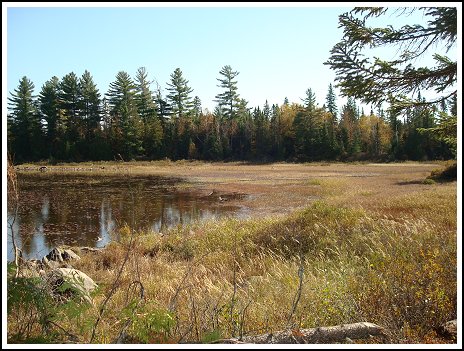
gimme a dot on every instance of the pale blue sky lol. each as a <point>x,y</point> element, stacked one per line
<point>279,51</point>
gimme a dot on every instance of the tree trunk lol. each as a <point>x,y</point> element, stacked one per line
<point>321,335</point>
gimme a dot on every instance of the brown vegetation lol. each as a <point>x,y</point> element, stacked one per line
<point>359,242</point>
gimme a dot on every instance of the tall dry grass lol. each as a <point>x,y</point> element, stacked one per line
<point>394,265</point>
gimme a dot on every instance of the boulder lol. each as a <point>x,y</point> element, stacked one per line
<point>69,282</point>
<point>449,329</point>
<point>59,256</point>
<point>31,269</point>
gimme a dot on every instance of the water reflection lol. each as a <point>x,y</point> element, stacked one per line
<point>87,211</point>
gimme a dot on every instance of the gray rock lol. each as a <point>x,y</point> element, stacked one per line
<point>60,254</point>
<point>449,329</point>
<point>50,264</point>
<point>58,257</point>
<point>69,282</point>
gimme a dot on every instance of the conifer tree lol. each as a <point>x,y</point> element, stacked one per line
<point>69,96</point>
<point>179,95</point>
<point>90,114</point>
<point>152,133</point>
<point>395,81</point>
<point>229,99</point>
<point>126,125</point>
<point>24,126</point>
<point>49,106</point>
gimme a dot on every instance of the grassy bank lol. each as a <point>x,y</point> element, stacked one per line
<point>341,259</point>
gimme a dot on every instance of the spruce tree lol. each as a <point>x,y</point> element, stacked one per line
<point>331,101</point>
<point>196,108</point>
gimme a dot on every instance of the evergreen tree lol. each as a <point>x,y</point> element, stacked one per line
<point>275,131</point>
<point>333,122</point>
<point>397,80</point>
<point>310,100</point>
<point>152,133</point>
<point>349,125</point>
<point>243,135</point>
<point>24,126</point>
<point>90,113</point>
<point>163,107</point>
<point>49,106</point>
<point>179,95</point>
<point>331,102</point>
<point>454,106</point>
<point>228,100</point>
<point>69,96</point>
<point>196,108</point>
<point>126,125</point>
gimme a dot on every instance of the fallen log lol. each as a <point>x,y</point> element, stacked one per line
<point>320,335</point>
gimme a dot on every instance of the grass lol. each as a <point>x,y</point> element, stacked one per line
<point>364,257</point>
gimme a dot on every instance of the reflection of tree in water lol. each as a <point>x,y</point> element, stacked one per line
<point>86,211</point>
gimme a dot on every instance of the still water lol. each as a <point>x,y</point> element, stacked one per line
<point>83,210</point>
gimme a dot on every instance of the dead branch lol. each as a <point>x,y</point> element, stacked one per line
<point>321,335</point>
<point>13,197</point>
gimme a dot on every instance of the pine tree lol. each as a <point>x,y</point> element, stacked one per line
<point>126,124</point>
<point>90,113</point>
<point>179,95</point>
<point>152,134</point>
<point>49,106</point>
<point>163,107</point>
<point>398,80</point>
<point>24,125</point>
<point>69,102</point>
<point>228,100</point>
<point>309,100</point>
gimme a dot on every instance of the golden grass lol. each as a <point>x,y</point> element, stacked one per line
<point>365,256</point>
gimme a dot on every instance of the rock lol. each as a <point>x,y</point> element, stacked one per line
<point>59,255</point>
<point>77,283</point>
<point>31,269</point>
<point>50,264</point>
<point>449,329</point>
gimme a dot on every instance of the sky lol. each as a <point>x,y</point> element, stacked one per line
<point>277,48</point>
<point>278,52</point>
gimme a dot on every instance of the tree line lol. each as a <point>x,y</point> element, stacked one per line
<point>70,120</point>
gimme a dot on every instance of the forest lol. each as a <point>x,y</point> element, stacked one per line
<point>70,120</point>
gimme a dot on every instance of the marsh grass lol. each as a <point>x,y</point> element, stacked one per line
<point>393,264</point>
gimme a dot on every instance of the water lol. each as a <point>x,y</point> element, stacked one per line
<point>83,210</point>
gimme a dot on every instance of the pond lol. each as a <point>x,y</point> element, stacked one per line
<point>84,210</point>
